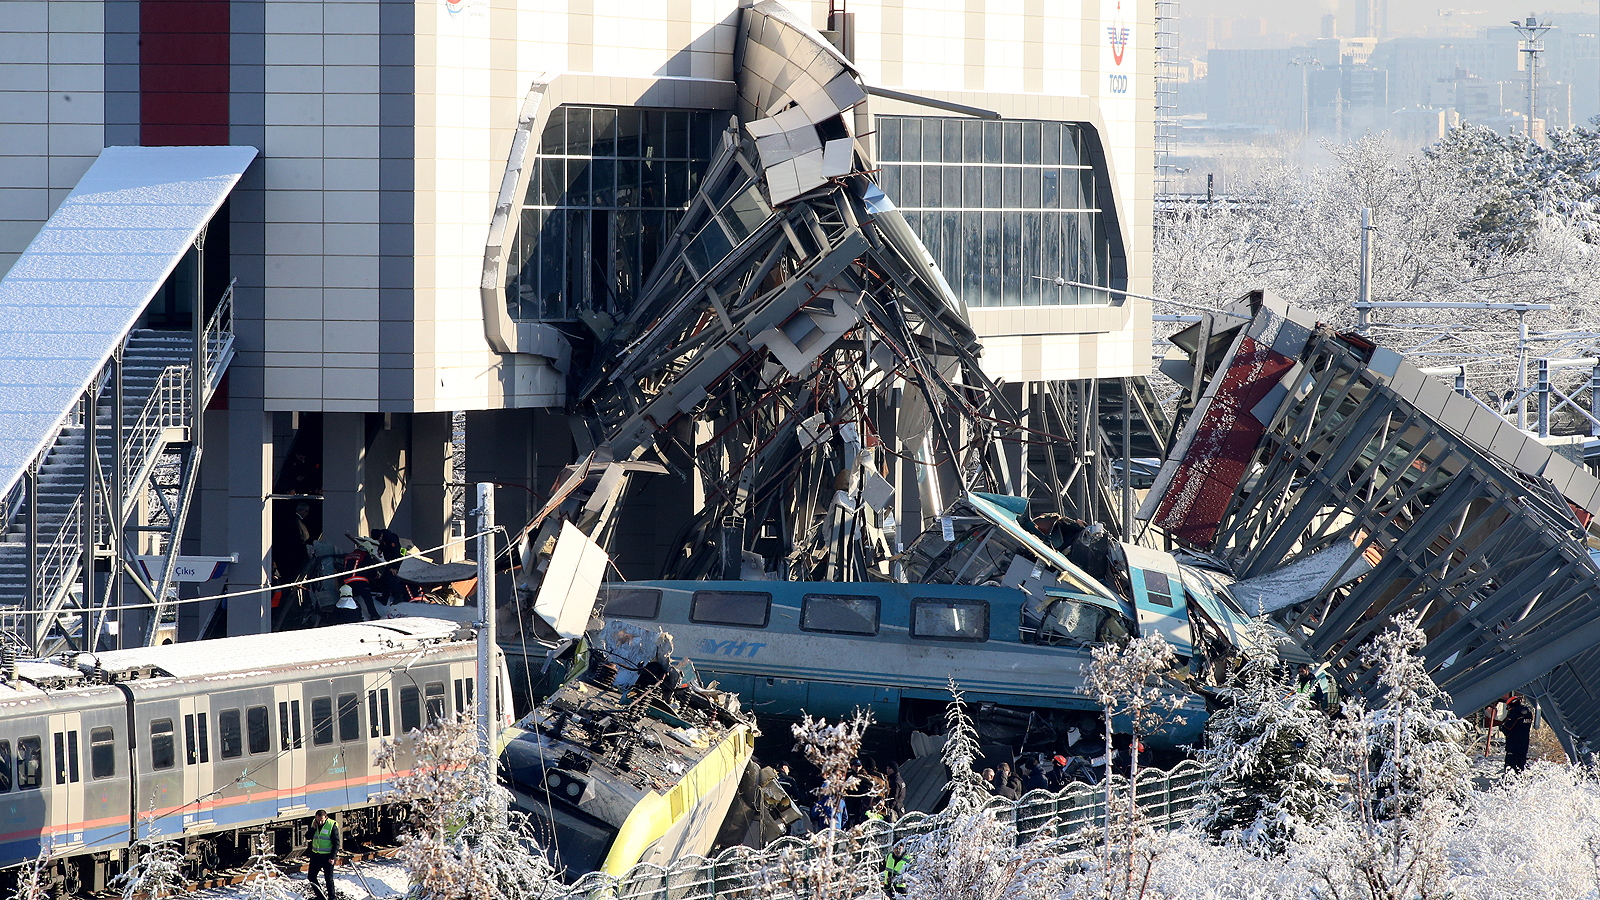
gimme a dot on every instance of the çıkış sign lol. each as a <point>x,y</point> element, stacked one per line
<point>187,569</point>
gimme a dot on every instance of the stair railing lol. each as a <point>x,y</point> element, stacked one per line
<point>219,338</point>
<point>59,560</point>
<point>167,407</point>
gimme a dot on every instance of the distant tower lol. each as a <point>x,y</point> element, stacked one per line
<point>1532,32</point>
<point>1330,27</point>
<point>1362,18</point>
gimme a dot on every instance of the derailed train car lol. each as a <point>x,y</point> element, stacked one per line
<point>993,605</point>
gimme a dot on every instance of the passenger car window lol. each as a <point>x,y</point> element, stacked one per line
<point>162,752</point>
<point>30,768</point>
<point>260,729</point>
<point>195,739</point>
<point>230,740</point>
<point>839,614</point>
<point>410,709</point>
<point>5,766</point>
<point>321,721</point>
<point>1158,587</point>
<point>632,603</point>
<point>731,608</point>
<point>435,699</point>
<point>464,695</point>
<point>67,757</point>
<point>950,620</point>
<point>349,718</point>
<point>289,724</point>
<point>378,710</point>
<point>102,753</point>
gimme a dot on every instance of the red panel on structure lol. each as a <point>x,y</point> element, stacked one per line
<point>183,72</point>
<point>1224,441</point>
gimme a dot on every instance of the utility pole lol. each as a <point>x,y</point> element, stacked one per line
<point>1364,294</point>
<point>1532,32</point>
<point>1305,62</point>
<point>487,682</point>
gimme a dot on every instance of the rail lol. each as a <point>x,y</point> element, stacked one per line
<point>1078,811</point>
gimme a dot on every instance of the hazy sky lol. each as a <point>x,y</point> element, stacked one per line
<point>1406,17</point>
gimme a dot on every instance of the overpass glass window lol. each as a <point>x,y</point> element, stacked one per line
<point>349,718</point>
<point>258,726</point>
<point>230,736</point>
<point>631,603</point>
<point>950,620</point>
<point>605,191</point>
<point>5,766</point>
<point>839,614</point>
<point>102,753</point>
<point>731,608</point>
<point>30,763</point>
<point>163,749</point>
<point>321,721</point>
<point>1004,208</point>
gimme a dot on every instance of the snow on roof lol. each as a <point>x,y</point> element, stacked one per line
<point>258,652</point>
<point>88,275</point>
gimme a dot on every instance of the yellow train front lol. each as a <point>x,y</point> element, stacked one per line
<point>202,742</point>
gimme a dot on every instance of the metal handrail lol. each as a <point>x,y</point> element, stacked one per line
<point>60,558</point>
<point>1078,812</point>
<point>219,335</point>
<point>167,407</point>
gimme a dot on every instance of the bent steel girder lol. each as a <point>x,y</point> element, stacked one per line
<point>1307,440</point>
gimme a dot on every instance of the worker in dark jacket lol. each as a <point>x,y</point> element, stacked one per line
<point>1517,725</point>
<point>325,845</point>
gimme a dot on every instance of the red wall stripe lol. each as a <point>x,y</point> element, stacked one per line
<point>183,72</point>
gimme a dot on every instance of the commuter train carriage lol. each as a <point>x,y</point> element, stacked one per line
<point>203,741</point>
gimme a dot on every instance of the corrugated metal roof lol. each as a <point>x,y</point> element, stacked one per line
<point>253,652</point>
<point>88,275</point>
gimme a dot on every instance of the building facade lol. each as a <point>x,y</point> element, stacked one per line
<point>454,196</point>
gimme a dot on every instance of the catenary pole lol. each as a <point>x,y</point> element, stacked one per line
<point>486,639</point>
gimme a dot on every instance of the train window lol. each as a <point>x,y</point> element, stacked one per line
<point>289,724</point>
<point>196,741</point>
<point>67,758</point>
<point>321,721</point>
<point>230,737</point>
<point>259,728</point>
<point>378,710</point>
<point>162,752</point>
<point>410,709</point>
<point>839,614</point>
<point>349,718</point>
<point>5,766</point>
<point>1158,588</point>
<point>950,620</point>
<point>731,608</point>
<point>464,695</point>
<point>102,753</point>
<point>434,691</point>
<point>631,603</point>
<point>30,770</point>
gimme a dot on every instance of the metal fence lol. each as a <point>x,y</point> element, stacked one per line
<point>1078,812</point>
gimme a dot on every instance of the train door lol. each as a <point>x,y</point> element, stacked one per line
<point>195,752</point>
<point>66,776</point>
<point>290,714</point>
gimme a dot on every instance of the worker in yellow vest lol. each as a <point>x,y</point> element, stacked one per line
<point>325,845</point>
<point>894,869</point>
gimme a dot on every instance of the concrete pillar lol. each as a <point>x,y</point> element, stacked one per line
<point>247,466</point>
<point>387,474</point>
<point>428,497</point>
<point>344,476</point>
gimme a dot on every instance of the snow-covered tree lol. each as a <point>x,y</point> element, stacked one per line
<point>32,882</point>
<point>266,880</point>
<point>157,870</point>
<point>464,841</point>
<point>972,851</point>
<point>1127,680</point>
<point>1266,745</point>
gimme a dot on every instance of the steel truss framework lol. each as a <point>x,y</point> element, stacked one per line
<point>1416,517</point>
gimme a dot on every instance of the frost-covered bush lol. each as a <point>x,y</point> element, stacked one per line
<point>157,871</point>
<point>1267,746</point>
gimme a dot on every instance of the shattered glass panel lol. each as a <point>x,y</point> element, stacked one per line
<point>635,169</point>
<point>950,620</point>
<point>839,614</point>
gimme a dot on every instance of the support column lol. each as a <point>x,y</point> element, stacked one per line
<point>429,495</point>
<point>344,476</point>
<point>248,464</point>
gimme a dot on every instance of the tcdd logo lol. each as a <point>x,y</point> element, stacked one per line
<point>1117,34</point>
<point>454,7</point>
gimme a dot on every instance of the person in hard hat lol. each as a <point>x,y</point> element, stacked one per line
<point>894,869</point>
<point>325,843</point>
<point>359,577</point>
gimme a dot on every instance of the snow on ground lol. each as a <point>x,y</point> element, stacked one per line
<point>374,879</point>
